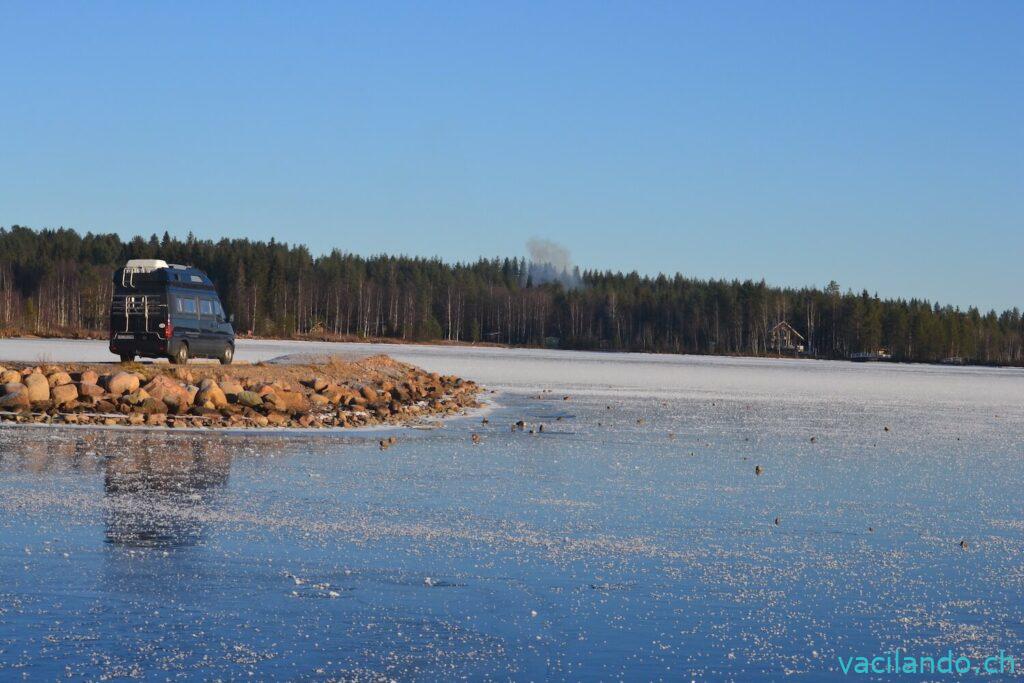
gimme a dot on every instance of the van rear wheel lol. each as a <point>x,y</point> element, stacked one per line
<point>227,355</point>
<point>127,357</point>
<point>181,356</point>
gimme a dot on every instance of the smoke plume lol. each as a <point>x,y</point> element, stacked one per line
<point>550,262</point>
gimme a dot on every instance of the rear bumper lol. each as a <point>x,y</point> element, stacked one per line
<point>147,345</point>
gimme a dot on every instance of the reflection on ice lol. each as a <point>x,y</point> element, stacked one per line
<point>158,489</point>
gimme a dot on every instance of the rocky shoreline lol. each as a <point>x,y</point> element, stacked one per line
<point>333,393</point>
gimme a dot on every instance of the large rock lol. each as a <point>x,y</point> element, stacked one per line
<point>38,387</point>
<point>122,383</point>
<point>15,400</point>
<point>88,377</point>
<point>151,406</point>
<point>289,402</point>
<point>11,387</point>
<point>102,406</point>
<point>211,391</point>
<point>250,399</point>
<point>88,389</point>
<point>59,378</point>
<point>169,391</point>
<point>277,419</point>
<point>317,383</point>
<point>135,398</point>
<point>9,376</point>
<point>231,388</point>
<point>64,393</point>
<point>369,393</point>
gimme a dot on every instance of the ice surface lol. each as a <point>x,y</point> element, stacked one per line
<point>631,538</point>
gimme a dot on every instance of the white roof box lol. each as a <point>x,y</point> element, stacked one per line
<point>144,265</point>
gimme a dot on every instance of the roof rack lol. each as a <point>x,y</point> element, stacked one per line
<point>139,265</point>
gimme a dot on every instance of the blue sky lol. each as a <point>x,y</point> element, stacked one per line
<point>879,144</point>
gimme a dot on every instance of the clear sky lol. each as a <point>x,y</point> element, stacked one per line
<point>879,144</point>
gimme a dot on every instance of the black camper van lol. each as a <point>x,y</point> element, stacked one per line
<point>162,310</point>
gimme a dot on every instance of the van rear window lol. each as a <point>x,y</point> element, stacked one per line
<point>205,307</point>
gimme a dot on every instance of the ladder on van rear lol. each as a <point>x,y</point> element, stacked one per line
<point>137,312</point>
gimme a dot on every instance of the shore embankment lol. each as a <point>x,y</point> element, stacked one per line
<point>332,392</point>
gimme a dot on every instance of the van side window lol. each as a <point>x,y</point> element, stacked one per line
<point>218,310</point>
<point>205,307</point>
<point>186,306</point>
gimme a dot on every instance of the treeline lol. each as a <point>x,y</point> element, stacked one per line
<point>59,282</point>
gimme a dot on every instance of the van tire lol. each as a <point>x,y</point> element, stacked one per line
<point>127,357</point>
<point>227,355</point>
<point>181,356</point>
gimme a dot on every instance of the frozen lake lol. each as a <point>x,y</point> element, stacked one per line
<point>629,539</point>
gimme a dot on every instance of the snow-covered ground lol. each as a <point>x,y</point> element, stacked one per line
<point>635,374</point>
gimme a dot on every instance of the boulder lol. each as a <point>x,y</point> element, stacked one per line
<point>15,400</point>
<point>105,407</point>
<point>122,383</point>
<point>317,384</point>
<point>250,399</point>
<point>369,393</point>
<point>276,418</point>
<point>9,376</point>
<point>211,392</point>
<point>339,396</point>
<point>88,377</point>
<point>64,393</point>
<point>38,387</point>
<point>289,402</point>
<point>176,408</point>
<point>87,389</point>
<point>135,398</point>
<point>156,419</point>
<point>231,388</point>
<point>11,387</point>
<point>319,400</point>
<point>57,379</point>
<point>169,391</point>
<point>151,406</point>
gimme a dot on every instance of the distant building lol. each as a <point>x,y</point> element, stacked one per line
<point>868,356</point>
<point>785,339</point>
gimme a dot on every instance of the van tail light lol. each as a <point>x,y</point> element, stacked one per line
<point>168,330</point>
